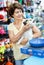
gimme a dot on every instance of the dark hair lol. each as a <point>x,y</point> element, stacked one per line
<point>12,8</point>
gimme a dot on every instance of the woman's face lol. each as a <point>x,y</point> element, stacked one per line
<point>18,14</point>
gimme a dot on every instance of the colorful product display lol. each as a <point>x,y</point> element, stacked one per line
<point>2,49</point>
<point>36,48</point>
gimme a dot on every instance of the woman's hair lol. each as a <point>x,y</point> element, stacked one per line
<point>12,8</point>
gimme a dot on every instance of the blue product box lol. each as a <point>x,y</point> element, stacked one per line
<point>33,51</point>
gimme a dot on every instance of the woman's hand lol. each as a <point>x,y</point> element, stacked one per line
<point>26,27</point>
<point>24,41</point>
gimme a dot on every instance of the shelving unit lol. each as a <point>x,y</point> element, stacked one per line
<point>3,25</point>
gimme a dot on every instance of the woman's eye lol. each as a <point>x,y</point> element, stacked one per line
<point>18,12</point>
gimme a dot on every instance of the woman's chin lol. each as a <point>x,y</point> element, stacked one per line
<point>19,18</point>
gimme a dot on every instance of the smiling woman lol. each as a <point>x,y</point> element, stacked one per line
<point>19,33</point>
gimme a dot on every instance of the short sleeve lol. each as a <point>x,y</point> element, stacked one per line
<point>13,28</point>
<point>9,27</point>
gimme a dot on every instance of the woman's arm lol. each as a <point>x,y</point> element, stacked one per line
<point>36,32</point>
<point>14,38</point>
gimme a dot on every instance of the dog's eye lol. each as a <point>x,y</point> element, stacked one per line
<point>8,43</point>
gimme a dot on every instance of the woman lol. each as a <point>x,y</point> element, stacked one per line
<point>17,32</point>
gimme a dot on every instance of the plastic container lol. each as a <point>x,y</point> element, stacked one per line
<point>37,42</point>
